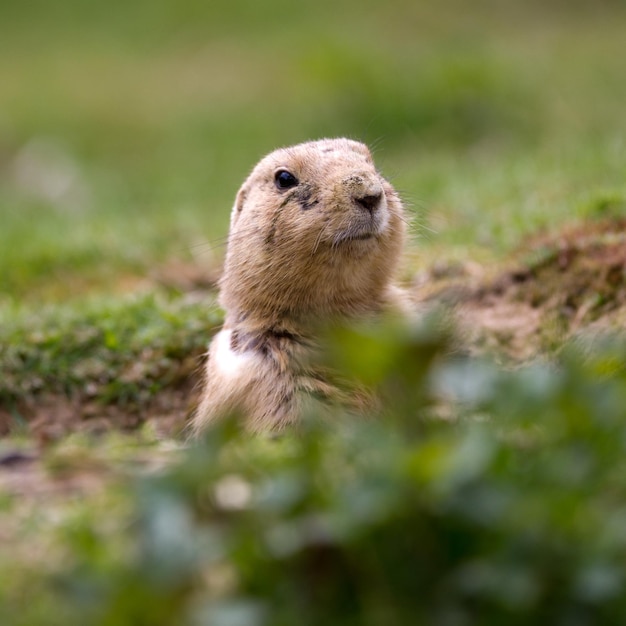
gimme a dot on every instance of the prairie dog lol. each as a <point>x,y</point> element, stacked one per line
<point>316,235</point>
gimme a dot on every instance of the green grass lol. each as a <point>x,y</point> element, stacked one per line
<point>121,352</point>
<point>125,131</point>
<point>124,139</point>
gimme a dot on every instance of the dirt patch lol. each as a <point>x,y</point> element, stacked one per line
<point>49,417</point>
<point>556,286</point>
<point>41,470</point>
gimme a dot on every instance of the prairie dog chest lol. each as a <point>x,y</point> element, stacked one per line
<point>229,362</point>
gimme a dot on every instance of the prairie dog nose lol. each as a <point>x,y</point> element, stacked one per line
<point>366,191</point>
<point>370,202</point>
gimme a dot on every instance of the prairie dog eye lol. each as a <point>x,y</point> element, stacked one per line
<point>284,180</point>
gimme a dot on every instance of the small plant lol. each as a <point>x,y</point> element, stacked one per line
<point>484,496</point>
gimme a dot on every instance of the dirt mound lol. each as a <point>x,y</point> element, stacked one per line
<point>560,285</point>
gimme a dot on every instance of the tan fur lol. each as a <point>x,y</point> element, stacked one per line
<point>322,250</point>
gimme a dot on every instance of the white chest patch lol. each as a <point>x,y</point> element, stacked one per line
<point>230,363</point>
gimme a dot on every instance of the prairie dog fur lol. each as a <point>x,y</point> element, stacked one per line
<point>316,235</point>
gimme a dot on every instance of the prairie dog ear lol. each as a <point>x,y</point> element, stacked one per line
<point>240,200</point>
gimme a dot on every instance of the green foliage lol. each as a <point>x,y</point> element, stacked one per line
<point>118,351</point>
<point>489,496</point>
<point>454,101</point>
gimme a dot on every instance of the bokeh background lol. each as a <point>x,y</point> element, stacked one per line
<point>127,127</point>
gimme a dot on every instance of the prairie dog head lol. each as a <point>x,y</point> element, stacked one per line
<point>315,231</point>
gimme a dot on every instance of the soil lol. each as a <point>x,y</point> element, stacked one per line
<point>50,417</point>
<point>557,286</point>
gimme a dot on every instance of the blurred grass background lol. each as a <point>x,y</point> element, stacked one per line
<point>126,128</point>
